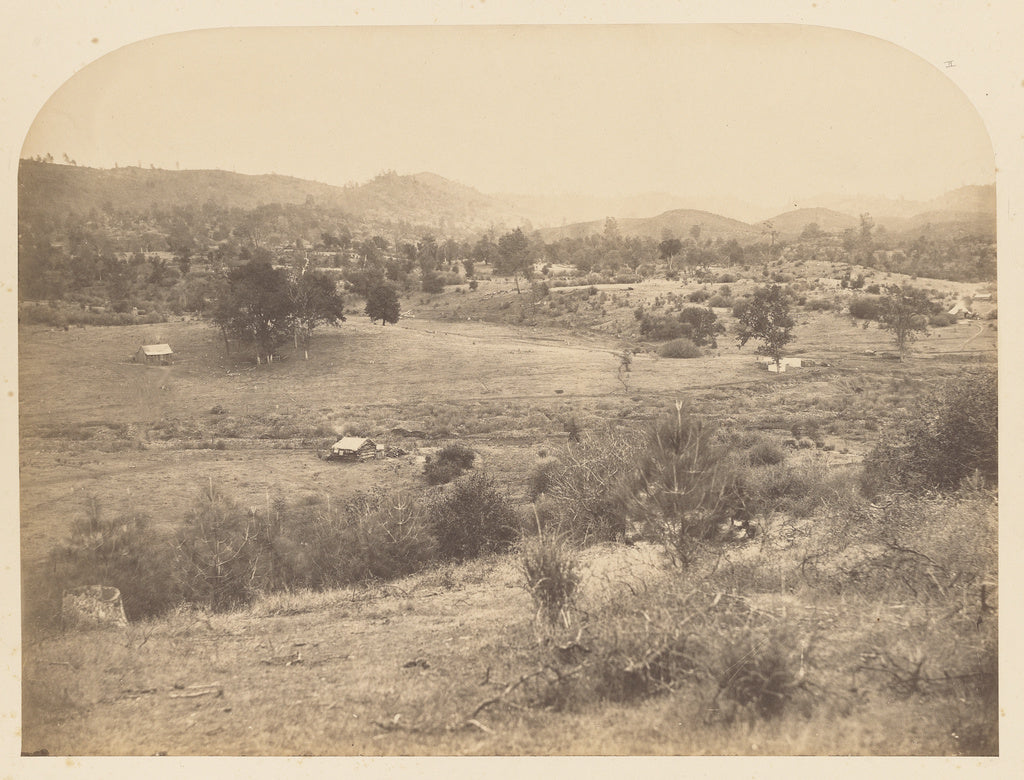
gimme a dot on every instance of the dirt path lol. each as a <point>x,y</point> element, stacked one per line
<point>981,329</point>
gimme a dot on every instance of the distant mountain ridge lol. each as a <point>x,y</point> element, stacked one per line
<point>425,199</point>
<point>451,208</point>
<point>679,222</point>
<point>792,223</point>
<point>970,198</point>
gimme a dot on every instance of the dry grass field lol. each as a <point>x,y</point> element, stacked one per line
<point>452,659</point>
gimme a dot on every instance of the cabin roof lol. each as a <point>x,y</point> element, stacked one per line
<point>157,349</point>
<point>350,443</point>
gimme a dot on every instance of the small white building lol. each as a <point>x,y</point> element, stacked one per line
<point>154,354</point>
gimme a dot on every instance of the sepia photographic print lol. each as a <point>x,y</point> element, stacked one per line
<point>508,390</point>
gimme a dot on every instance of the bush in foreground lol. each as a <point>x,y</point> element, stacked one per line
<point>550,571</point>
<point>671,637</point>
<point>224,555</point>
<point>948,438</point>
<point>121,551</point>
<point>472,517</point>
<point>381,537</point>
<point>683,484</point>
<point>581,489</point>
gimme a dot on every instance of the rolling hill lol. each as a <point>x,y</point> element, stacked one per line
<point>678,222</point>
<point>791,224</point>
<point>421,199</point>
<point>431,202</point>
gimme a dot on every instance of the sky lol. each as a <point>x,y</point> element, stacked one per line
<point>764,113</point>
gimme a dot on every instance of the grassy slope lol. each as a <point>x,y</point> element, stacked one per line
<point>493,385</point>
<point>405,668</point>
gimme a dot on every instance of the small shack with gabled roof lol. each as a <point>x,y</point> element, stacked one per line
<point>962,309</point>
<point>353,448</point>
<point>154,354</point>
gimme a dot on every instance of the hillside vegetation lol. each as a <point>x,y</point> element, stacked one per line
<point>596,521</point>
<point>817,621</point>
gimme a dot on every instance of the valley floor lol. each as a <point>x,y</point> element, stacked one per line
<point>431,664</point>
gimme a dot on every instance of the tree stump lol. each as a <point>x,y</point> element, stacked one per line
<point>92,606</point>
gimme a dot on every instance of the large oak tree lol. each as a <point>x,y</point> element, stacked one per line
<point>255,307</point>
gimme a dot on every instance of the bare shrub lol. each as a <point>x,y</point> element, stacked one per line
<point>581,496</point>
<point>540,479</point>
<point>473,517</point>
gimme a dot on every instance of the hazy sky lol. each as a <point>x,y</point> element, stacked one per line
<point>766,114</point>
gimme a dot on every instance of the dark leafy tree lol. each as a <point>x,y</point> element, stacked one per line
<point>382,304</point>
<point>669,248</point>
<point>766,318</point>
<point>485,251</point>
<point>704,325</point>
<point>362,281</point>
<point>513,257</point>
<point>315,301</point>
<point>733,251</point>
<point>255,307</point>
<point>426,253</point>
<point>904,311</point>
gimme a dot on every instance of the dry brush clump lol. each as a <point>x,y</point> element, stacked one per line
<point>577,493</point>
<point>450,462</point>
<point>932,549</point>
<point>766,453</point>
<point>678,639</point>
<point>551,574</point>
<point>950,436</point>
<point>797,489</point>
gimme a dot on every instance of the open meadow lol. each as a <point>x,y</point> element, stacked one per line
<point>836,629</point>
